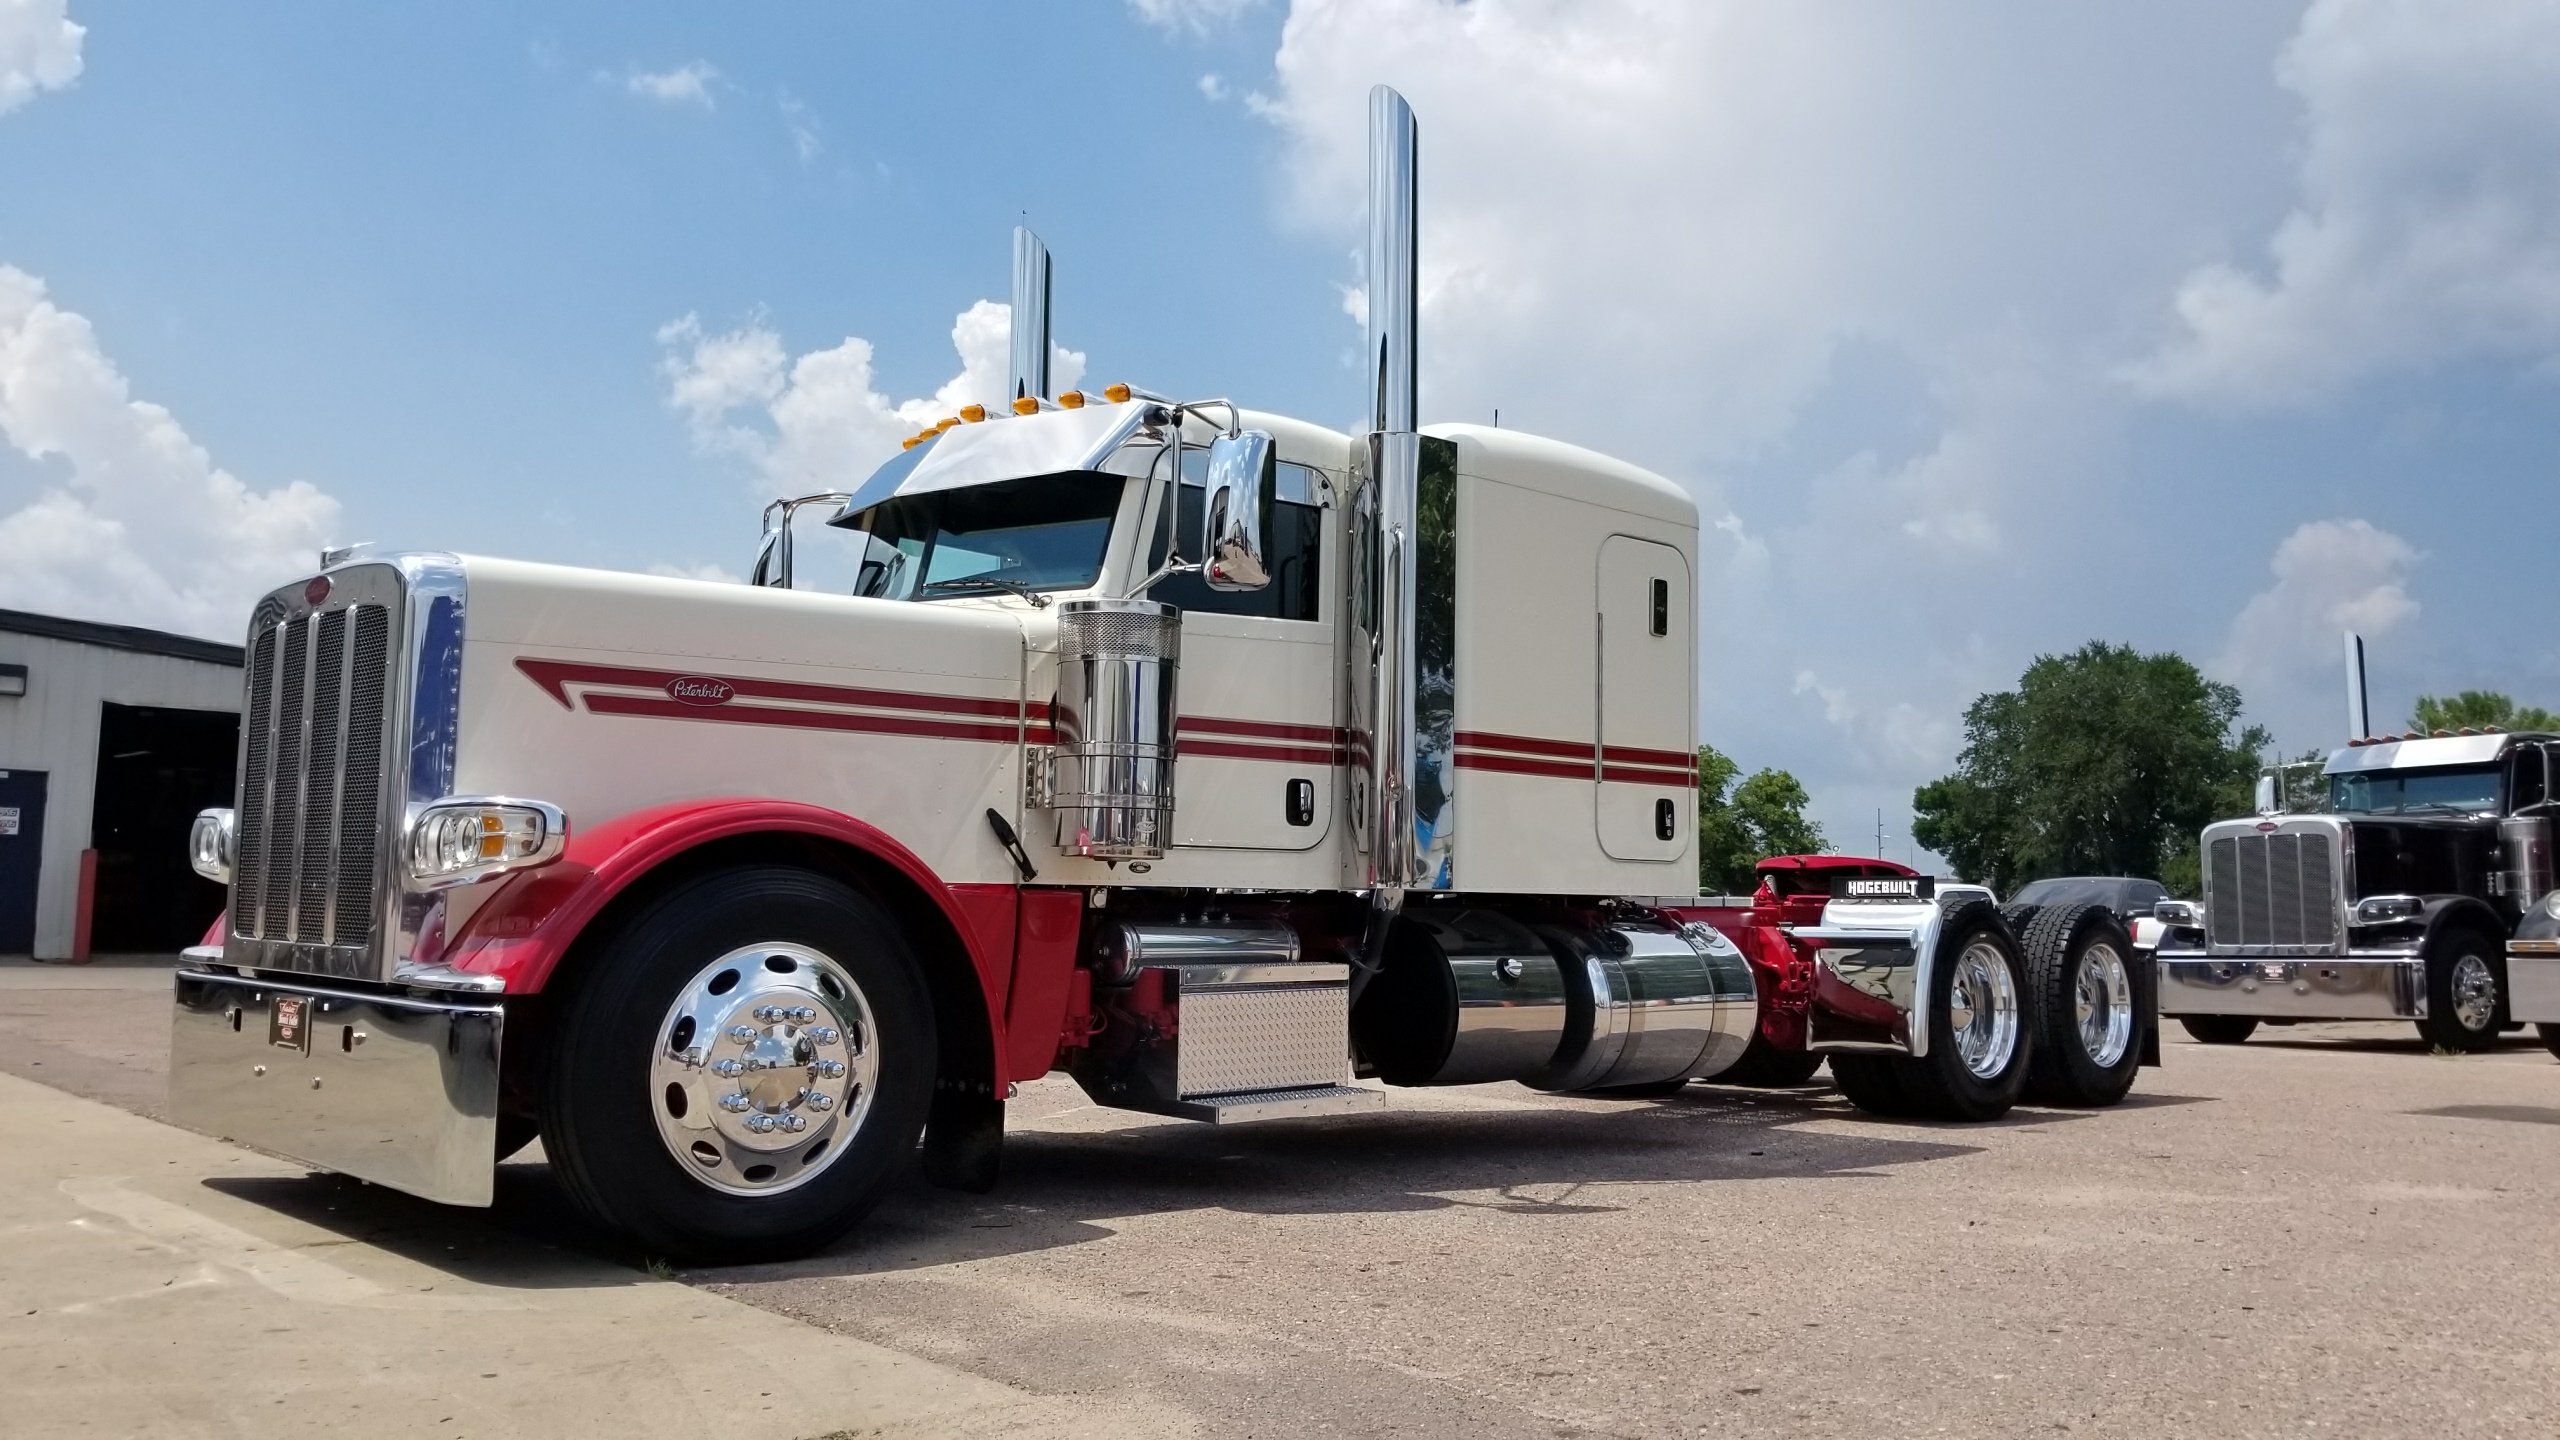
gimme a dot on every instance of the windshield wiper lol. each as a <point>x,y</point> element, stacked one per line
<point>960,583</point>
<point>2442,807</point>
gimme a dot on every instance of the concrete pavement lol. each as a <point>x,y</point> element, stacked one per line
<point>2324,1232</point>
<point>157,1283</point>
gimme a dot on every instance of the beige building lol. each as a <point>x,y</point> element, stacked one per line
<point>111,738</point>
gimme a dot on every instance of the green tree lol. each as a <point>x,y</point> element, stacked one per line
<point>2104,761</point>
<point>2481,710</point>
<point>1739,825</point>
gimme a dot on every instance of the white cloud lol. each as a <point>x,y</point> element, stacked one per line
<point>687,84</point>
<point>718,574</point>
<point>142,526</point>
<point>820,421</point>
<point>1859,281</point>
<point>2331,576</point>
<point>39,50</point>
<point>1213,86</point>
<point>2427,226</point>
<point>1196,16</point>
<point>806,140</point>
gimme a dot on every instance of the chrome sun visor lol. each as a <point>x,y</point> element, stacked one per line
<point>1013,447</point>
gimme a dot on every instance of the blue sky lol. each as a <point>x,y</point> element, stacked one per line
<point>1978,332</point>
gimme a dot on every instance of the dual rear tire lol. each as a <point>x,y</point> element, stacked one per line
<point>1979,1040</point>
<point>2084,981</point>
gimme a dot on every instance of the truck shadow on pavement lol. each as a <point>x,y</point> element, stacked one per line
<point>1060,1187</point>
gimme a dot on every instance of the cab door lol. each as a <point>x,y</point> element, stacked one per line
<point>1257,748</point>
<point>1648,801</point>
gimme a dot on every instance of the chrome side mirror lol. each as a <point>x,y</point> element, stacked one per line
<point>2268,803</point>
<point>1235,515</point>
<point>773,555</point>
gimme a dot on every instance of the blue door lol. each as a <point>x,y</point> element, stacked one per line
<point>21,836</point>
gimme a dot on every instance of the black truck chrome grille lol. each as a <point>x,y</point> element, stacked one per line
<point>2276,890</point>
<point>311,785</point>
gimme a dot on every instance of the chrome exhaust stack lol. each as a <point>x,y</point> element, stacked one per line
<point>1030,332</point>
<point>1385,512</point>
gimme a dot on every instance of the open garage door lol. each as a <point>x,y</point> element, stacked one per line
<point>156,768</point>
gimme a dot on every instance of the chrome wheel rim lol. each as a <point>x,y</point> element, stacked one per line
<point>1982,1009</point>
<point>2475,993</point>
<point>763,1069</point>
<point>2103,1001</point>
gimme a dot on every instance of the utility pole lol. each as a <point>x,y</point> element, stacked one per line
<point>1879,832</point>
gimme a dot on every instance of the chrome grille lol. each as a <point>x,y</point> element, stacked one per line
<point>2275,891</point>
<point>311,779</point>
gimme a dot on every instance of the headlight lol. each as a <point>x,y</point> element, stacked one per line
<point>2551,904</point>
<point>457,841</point>
<point>212,845</point>
<point>2181,914</point>
<point>2388,909</point>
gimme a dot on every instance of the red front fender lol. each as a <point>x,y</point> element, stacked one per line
<point>528,925</point>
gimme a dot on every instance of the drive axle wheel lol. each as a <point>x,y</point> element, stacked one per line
<point>1978,1042</point>
<point>746,1066</point>
<point>2086,1011</point>
<point>2466,990</point>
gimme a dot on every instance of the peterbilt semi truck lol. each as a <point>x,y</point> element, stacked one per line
<point>1220,760</point>
<point>2397,899</point>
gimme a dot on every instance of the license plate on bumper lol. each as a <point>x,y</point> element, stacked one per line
<point>398,1091</point>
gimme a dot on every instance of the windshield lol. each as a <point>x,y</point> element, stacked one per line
<point>1042,533</point>
<point>2441,790</point>
<point>2124,896</point>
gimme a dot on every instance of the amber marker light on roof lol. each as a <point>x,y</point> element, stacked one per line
<point>973,413</point>
<point>1116,394</point>
<point>1072,400</point>
<point>1025,405</point>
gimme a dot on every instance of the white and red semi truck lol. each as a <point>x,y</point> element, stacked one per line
<point>1218,759</point>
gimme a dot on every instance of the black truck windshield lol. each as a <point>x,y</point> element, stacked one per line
<point>1042,533</point>
<point>2438,790</point>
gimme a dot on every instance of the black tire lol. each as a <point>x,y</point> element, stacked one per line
<point>1765,1066</point>
<point>2020,917</point>
<point>598,1116</point>
<point>2066,946</point>
<point>1872,1083</point>
<point>2449,953</point>
<point>2550,1036</point>
<point>1941,1086</point>
<point>2219,1029</point>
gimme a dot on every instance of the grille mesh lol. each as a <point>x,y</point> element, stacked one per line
<point>2272,890</point>
<point>311,778</point>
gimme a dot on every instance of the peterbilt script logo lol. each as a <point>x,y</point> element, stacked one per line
<point>701,690</point>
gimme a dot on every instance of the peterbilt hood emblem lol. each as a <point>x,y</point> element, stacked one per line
<point>2266,827</point>
<point>701,690</point>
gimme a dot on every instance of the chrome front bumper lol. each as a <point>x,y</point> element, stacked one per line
<point>399,1091</point>
<point>2329,987</point>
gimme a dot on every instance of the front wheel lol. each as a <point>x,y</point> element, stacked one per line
<point>1978,1041</point>
<point>744,1069</point>
<point>2466,990</point>
<point>2219,1029</point>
